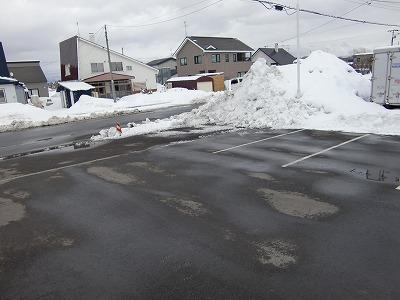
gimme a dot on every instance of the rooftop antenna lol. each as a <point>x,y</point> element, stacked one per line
<point>185,28</point>
<point>77,26</point>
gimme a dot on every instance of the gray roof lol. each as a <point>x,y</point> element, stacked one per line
<point>282,57</point>
<point>27,71</point>
<point>159,61</point>
<point>220,43</point>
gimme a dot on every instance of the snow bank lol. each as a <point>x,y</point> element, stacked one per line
<point>334,97</point>
<point>18,116</point>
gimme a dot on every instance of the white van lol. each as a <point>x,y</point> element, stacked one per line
<point>231,84</point>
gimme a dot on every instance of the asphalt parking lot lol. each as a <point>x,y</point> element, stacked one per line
<point>288,214</point>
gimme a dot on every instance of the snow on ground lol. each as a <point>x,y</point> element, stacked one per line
<point>334,97</point>
<point>17,116</point>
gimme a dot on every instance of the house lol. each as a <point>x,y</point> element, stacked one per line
<point>166,66</point>
<point>362,62</point>
<point>71,91</point>
<point>197,82</point>
<point>274,56</point>
<point>198,55</point>
<point>83,59</point>
<point>31,74</point>
<point>11,90</point>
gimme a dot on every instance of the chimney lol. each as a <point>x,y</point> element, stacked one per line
<point>276,47</point>
<point>92,37</point>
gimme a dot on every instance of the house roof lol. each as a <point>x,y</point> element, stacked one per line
<point>116,53</point>
<point>282,57</point>
<point>157,62</point>
<point>3,65</point>
<point>76,85</point>
<point>8,80</point>
<point>216,44</point>
<point>107,77</point>
<point>27,71</point>
<point>187,78</point>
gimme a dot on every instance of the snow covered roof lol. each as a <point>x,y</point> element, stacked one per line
<point>386,49</point>
<point>76,85</point>
<point>186,78</point>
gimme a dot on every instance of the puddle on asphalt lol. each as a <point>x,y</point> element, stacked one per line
<point>147,166</point>
<point>297,205</point>
<point>7,173</point>
<point>110,175</point>
<point>262,176</point>
<point>187,207</point>
<point>280,254</point>
<point>18,194</point>
<point>10,211</point>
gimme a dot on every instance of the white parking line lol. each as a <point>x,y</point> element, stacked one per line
<point>259,141</point>
<point>2,181</point>
<point>323,151</point>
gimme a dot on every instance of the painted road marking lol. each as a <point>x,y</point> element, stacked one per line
<point>259,141</point>
<point>323,151</point>
<point>61,168</point>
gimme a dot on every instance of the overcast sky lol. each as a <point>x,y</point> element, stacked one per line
<point>32,29</point>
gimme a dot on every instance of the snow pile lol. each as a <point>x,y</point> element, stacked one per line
<point>17,116</point>
<point>334,97</point>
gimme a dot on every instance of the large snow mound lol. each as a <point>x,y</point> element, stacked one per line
<point>334,97</point>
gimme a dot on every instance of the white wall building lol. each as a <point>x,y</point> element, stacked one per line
<point>82,59</point>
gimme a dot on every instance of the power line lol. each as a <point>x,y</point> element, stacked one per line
<point>326,23</point>
<point>168,20</point>
<point>279,6</point>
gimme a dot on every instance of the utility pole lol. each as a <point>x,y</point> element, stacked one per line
<point>109,65</point>
<point>393,31</point>
<point>298,50</point>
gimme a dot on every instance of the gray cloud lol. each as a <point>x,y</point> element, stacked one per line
<point>32,29</point>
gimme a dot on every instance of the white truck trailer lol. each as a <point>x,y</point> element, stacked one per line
<point>386,76</point>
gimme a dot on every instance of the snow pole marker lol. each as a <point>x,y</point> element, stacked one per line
<point>119,128</point>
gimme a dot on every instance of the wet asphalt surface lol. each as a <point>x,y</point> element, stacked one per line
<point>13,142</point>
<point>162,217</point>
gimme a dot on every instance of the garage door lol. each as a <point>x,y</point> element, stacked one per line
<point>205,86</point>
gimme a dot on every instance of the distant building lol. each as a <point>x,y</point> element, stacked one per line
<point>167,68</point>
<point>198,55</point>
<point>4,72</point>
<point>197,82</point>
<point>274,56</point>
<point>11,90</point>
<point>31,74</point>
<point>84,60</point>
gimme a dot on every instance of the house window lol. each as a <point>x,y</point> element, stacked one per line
<point>97,67</point>
<point>129,68</point>
<point>67,70</point>
<point>183,61</point>
<point>197,60</point>
<point>33,92</point>
<point>242,56</point>
<point>216,58</point>
<point>116,67</point>
<point>212,71</point>
<point>241,74</point>
<point>234,57</point>
<point>202,72</point>
<point>227,57</point>
<point>3,96</point>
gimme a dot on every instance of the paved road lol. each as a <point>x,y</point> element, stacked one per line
<point>36,138</point>
<point>146,218</point>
